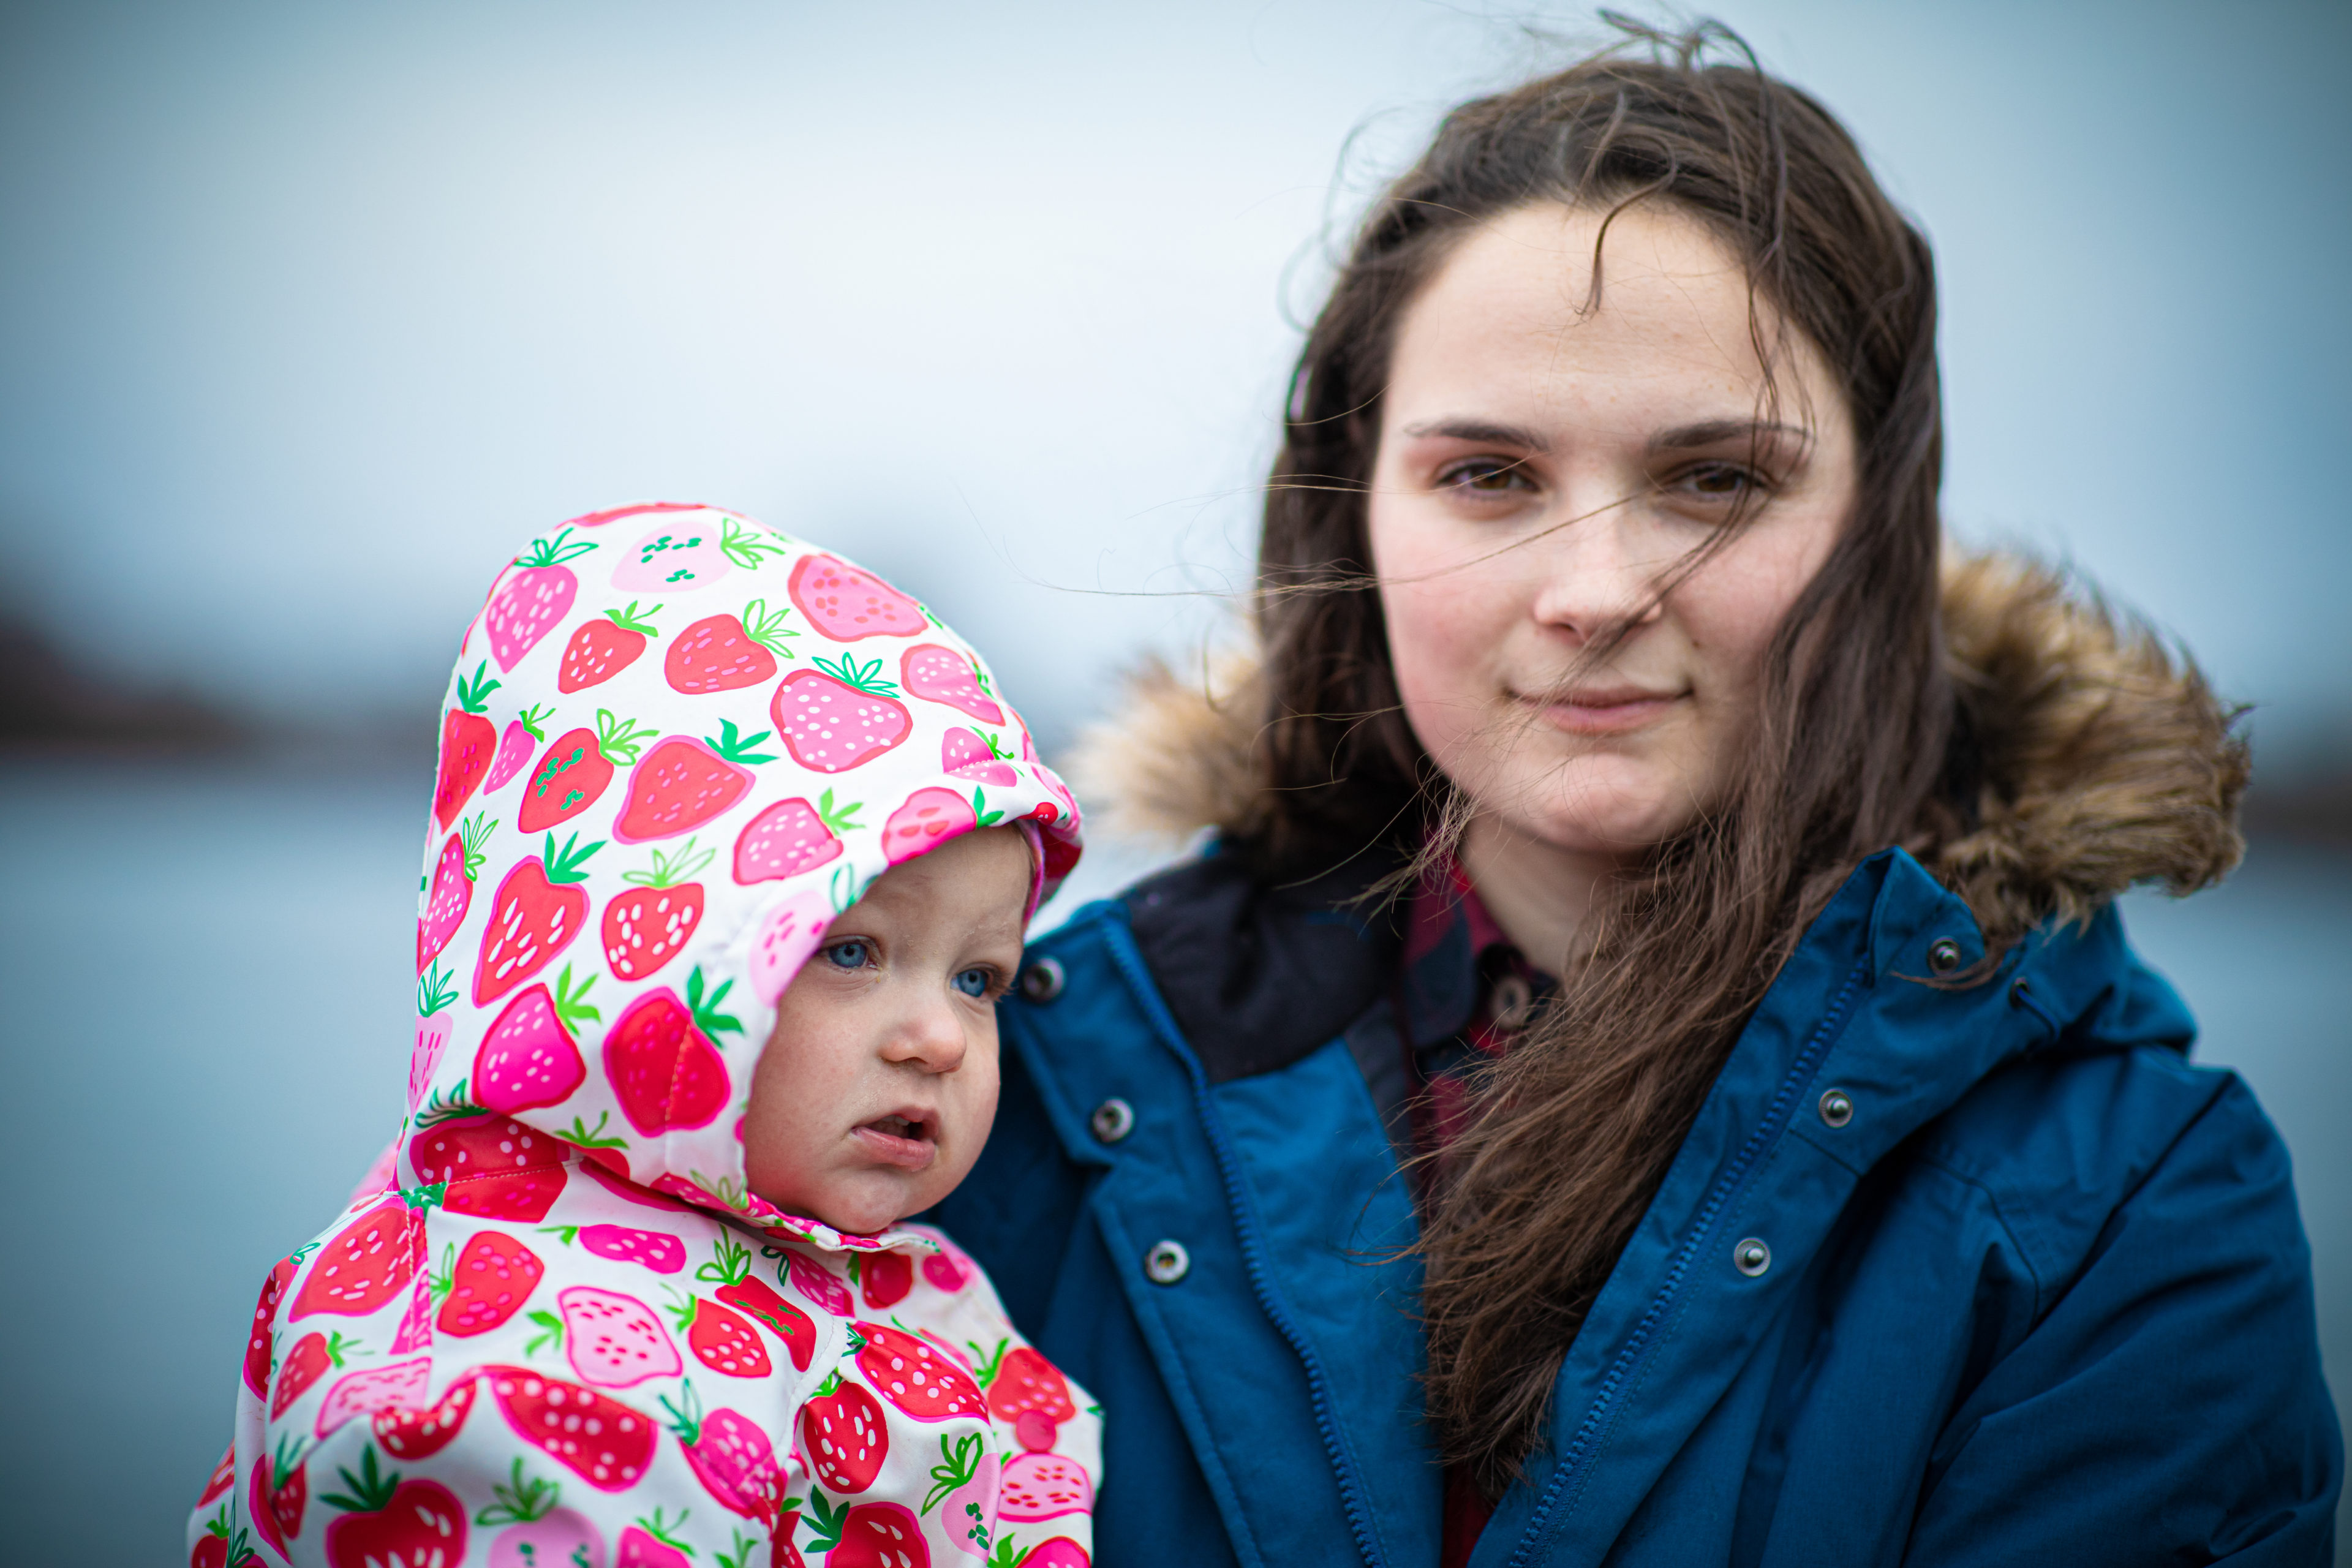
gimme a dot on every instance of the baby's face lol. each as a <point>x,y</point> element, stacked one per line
<point>877,1088</point>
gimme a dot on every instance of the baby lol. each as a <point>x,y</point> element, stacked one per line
<point>731,851</point>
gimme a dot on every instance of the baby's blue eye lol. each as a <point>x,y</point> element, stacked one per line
<point>973,982</point>
<point>849,955</point>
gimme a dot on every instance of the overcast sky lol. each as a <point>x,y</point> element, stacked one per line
<point>314,311</point>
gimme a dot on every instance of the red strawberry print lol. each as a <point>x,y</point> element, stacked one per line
<point>1043,1486</point>
<point>1029,1394</point>
<point>883,1278</point>
<point>729,1455</point>
<point>650,1249</point>
<point>845,604</point>
<point>258,1509</point>
<point>931,816</point>
<point>539,910</point>
<point>792,836</point>
<point>614,514</point>
<point>468,744</point>
<point>621,1187</point>
<point>869,1535</point>
<point>394,1524</point>
<point>839,715</point>
<point>534,599</point>
<point>916,1376</point>
<point>259,1352</point>
<point>367,1264</point>
<point>1061,1552</point>
<point>452,888</point>
<point>290,1493</point>
<point>306,1363</point>
<point>576,770</point>
<point>684,782</point>
<point>496,1167</point>
<point>220,1548</point>
<point>645,929</point>
<point>595,1435</point>
<point>528,1058</point>
<point>722,653</point>
<point>844,1435</point>
<point>419,1431</point>
<point>522,737</point>
<point>648,1543</point>
<point>720,1340</point>
<point>661,1062</point>
<point>968,754</point>
<point>224,1476</point>
<point>435,997</point>
<point>730,1270</point>
<point>487,1283</point>
<point>940,674</point>
<point>600,650</point>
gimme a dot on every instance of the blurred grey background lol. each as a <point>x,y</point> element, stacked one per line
<point>310,314</point>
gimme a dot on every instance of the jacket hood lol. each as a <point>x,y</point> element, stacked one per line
<point>675,744</point>
<point>2106,760</point>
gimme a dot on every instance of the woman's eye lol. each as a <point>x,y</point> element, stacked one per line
<point>849,955</point>
<point>973,982</point>
<point>1486,476</point>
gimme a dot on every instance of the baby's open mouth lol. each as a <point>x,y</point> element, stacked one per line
<point>902,1138</point>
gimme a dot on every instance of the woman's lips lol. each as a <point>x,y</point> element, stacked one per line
<point>911,1149</point>
<point>1603,712</point>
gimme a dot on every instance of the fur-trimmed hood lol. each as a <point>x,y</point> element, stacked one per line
<point>2106,759</point>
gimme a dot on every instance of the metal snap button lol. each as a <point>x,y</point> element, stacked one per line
<point>1113,1119</point>
<point>1751,1256</point>
<point>1042,980</point>
<point>1837,1107</point>
<point>1167,1262</point>
<point>1513,999</point>
<point>1943,955</point>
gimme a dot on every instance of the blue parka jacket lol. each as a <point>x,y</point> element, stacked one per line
<point>1984,1273</point>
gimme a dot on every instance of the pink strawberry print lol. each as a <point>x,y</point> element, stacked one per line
<point>434,998</point>
<point>947,1269</point>
<point>1044,1485</point>
<point>729,1455</point>
<point>576,770</point>
<point>940,674</point>
<point>601,649</point>
<point>787,935</point>
<point>845,603</point>
<point>818,1283</point>
<point>603,1442</point>
<point>522,737</point>
<point>916,1376</point>
<point>884,1279</point>
<point>645,929</point>
<point>691,554</point>
<point>725,652</point>
<point>660,1060</point>
<point>538,1533</point>
<point>366,1264</point>
<point>648,1543</point>
<point>684,782</point>
<point>840,715</point>
<point>636,508</point>
<point>1060,1551</point>
<point>792,836</point>
<point>260,1351</point>
<point>487,1283</point>
<point>650,1249</point>
<point>613,1341</point>
<point>968,754</point>
<point>539,910</point>
<point>614,1179</point>
<point>931,816</point>
<point>1028,1394</point>
<point>534,599</point>
<point>452,888</point>
<point>528,1058</point>
<point>401,1385</point>
<point>468,745</point>
<point>963,1489</point>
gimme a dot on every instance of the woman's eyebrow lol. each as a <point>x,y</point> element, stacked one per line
<point>1722,432</point>
<point>1485,432</point>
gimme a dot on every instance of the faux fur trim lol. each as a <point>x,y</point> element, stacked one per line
<point>2107,759</point>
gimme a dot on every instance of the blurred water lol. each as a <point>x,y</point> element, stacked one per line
<point>207,990</point>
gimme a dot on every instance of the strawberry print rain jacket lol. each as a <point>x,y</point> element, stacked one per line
<point>560,1331</point>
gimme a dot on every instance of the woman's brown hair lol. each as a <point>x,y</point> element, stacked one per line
<point>1581,1120</point>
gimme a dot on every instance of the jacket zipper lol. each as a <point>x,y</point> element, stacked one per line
<point>1343,1468</point>
<point>1735,1176</point>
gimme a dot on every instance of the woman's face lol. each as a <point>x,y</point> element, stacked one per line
<point>1542,471</point>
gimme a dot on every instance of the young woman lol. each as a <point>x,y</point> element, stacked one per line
<point>1648,1070</point>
